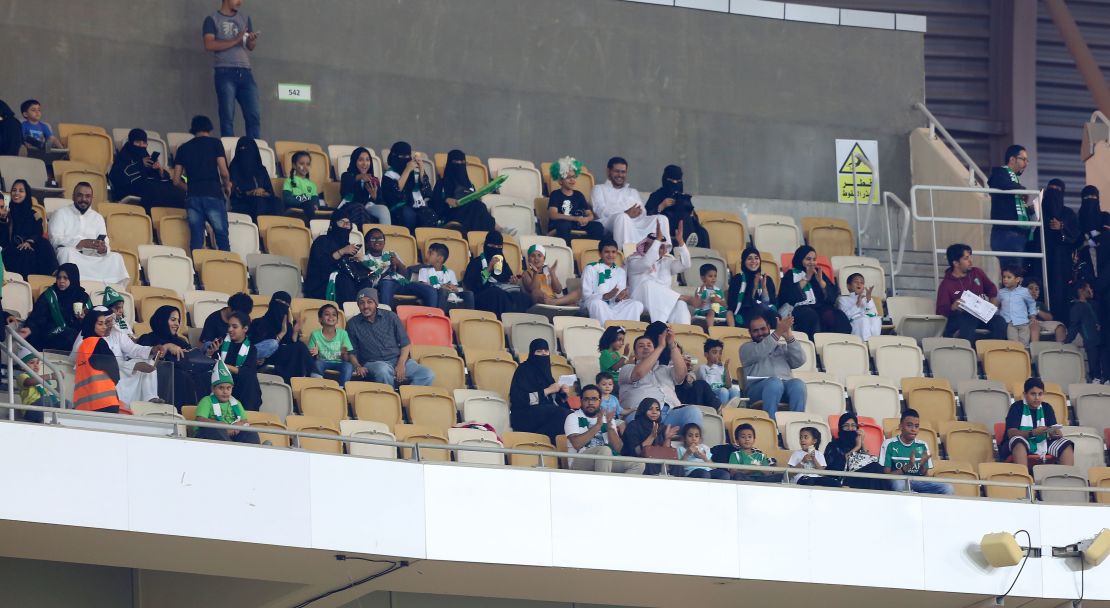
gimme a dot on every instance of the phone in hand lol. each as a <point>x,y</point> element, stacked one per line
<point>154,157</point>
<point>101,237</point>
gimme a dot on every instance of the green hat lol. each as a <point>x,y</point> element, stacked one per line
<point>111,296</point>
<point>220,374</point>
<point>26,355</point>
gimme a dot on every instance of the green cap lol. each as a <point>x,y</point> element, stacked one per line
<point>111,296</point>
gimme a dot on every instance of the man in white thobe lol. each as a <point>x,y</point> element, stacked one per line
<point>74,233</point>
<point>605,293</point>
<point>619,208</point>
<point>650,272</point>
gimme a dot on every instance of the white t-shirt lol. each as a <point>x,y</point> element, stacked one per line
<point>796,461</point>
<point>435,278</point>
<point>578,423</point>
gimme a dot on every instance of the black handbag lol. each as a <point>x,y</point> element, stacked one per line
<point>354,269</point>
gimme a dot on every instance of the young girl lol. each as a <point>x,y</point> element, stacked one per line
<point>330,345</point>
<point>610,348</point>
<point>1048,325</point>
<point>860,309</point>
<point>542,284</point>
<point>809,457</point>
<point>693,450</point>
<point>241,359</point>
<point>300,191</point>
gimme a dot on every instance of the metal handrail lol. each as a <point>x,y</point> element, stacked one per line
<point>973,170</point>
<point>895,266</point>
<point>13,360</point>
<point>861,225</point>
<point>933,219</point>
<point>1096,116</point>
<point>417,446</point>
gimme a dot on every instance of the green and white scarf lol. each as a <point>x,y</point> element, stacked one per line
<point>1030,420</point>
<point>240,358</point>
<point>1019,202</point>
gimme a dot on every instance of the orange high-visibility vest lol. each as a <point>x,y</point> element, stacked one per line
<point>94,389</point>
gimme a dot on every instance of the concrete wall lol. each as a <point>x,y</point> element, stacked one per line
<point>749,106</point>
<point>43,584</point>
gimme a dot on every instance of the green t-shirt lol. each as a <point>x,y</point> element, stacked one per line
<point>330,349</point>
<point>894,454</point>
<point>302,189</point>
<point>229,412</point>
<point>608,359</point>
<point>755,457</point>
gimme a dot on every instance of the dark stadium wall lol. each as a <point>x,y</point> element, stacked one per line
<point>748,106</point>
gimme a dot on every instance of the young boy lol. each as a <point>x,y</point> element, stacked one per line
<point>1084,322</point>
<point>443,280</point>
<point>810,457</point>
<point>751,455</point>
<point>905,454</point>
<point>567,208</point>
<point>1048,325</point>
<point>330,345</point>
<point>605,293</point>
<point>716,374</point>
<point>220,406</point>
<point>390,275</point>
<point>541,282</point>
<point>609,401</point>
<point>31,391</point>
<point>709,299</point>
<point>859,307</point>
<point>114,302</point>
<point>37,134</point>
<point>1017,306</point>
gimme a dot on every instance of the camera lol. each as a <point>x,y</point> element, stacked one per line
<point>682,202</point>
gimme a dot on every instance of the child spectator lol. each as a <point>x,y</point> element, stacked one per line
<point>810,457</point>
<point>1017,306</point>
<point>220,406</point>
<point>1048,325</point>
<point>116,305</point>
<point>443,280</point>
<point>37,134</point>
<point>716,374</point>
<point>567,208</point>
<point>905,454</point>
<point>609,401</point>
<point>541,282</point>
<point>709,301</point>
<point>241,359</point>
<point>859,307</point>
<point>610,348</point>
<point>300,191</point>
<point>1083,319</point>
<point>330,345</point>
<point>693,450</point>
<point>748,454</point>
<point>32,392</point>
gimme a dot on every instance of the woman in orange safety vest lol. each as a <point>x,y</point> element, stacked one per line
<point>97,369</point>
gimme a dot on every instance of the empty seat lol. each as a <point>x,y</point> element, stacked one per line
<point>31,169</point>
<point>1099,477</point>
<point>277,396</point>
<point>476,437</point>
<point>273,273</point>
<point>433,409</point>
<point>323,401</point>
<point>1004,360</point>
<point>898,361</point>
<point>915,317</point>
<point>1091,403</point>
<point>967,441</point>
<point>726,230</point>
<point>95,149</point>
<point>932,398</point>
<point>426,326</point>
<point>368,429</point>
<point>843,355</point>
<point>244,237</point>
<point>824,394</point>
<point>449,369</point>
<point>1059,363</point>
<point>875,397</point>
<point>1089,446</point>
<point>17,296</point>
<point>481,334</point>
<point>524,183</point>
<point>487,409</point>
<point>171,271</point>
<point>258,421</point>
<point>292,242</point>
<point>984,401</point>
<point>1060,476</point>
<point>529,441</point>
<point>581,341</point>
<point>493,374</point>
<point>830,236</point>
<point>953,469</point>
<point>775,234</point>
<point>374,401</point>
<point>951,359</point>
<point>423,435</point>
<point>1007,472</point>
<point>321,426</point>
<point>226,275</point>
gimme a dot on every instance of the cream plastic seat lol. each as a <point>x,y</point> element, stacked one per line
<point>368,429</point>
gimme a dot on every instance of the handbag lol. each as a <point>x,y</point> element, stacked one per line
<point>354,270</point>
<point>660,451</point>
<point>858,460</point>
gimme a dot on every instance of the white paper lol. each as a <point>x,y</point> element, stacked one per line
<point>568,380</point>
<point>977,307</point>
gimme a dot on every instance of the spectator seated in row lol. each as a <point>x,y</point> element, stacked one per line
<point>443,280</point>
<point>716,374</point>
<point>605,292</point>
<point>252,192</point>
<point>658,367</point>
<point>241,358</point>
<point>709,300</point>
<point>359,186</point>
<point>537,402</point>
<point>1032,433</point>
<point>36,134</point>
<point>175,384</point>
<point>618,207</point>
<point>693,450</point>
<point>810,457</point>
<point>963,276</point>
<point>1047,323</point>
<point>135,173</point>
<point>646,429</point>
<point>455,185</point>
<point>381,346</point>
<point>672,201</point>
<point>330,345</point>
<point>78,233</point>
<point>846,452</point>
<point>768,363</point>
<point>216,325</point>
<point>55,319</point>
<point>300,191</point>
<point>278,339</point>
<point>490,278</point>
<point>96,368</point>
<point>747,453</point>
<point>650,275</point>
<point>389,274</point>
<point>33,392</point>
<point>222,406</point>
<point>335,268</point>
<point>541,282</point>
<point>905,454</point>
<point>750,291</point>
<point>859,307</point>
<point>406,191</point>
<point>812,295</point>
<point>595,430</point>
<point>612,351</point>
<point>136,382</point>
<point>567,208</point>
<point>25,250</point>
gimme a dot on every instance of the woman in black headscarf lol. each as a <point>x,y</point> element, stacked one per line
<point>646,430</point>
<point>846,452</point>
<point>53,323</point>
<point>672,201</point>
<point>11,132</point>
<point>24,249</point>
<point>135,173</point>
<point>278,340</point>
<point>537,404</point>
<point>750,292</point>
<point>1094,245</point>
<point>359,185</point>
<point>175,384</point>
<point>455,185</point>
<point>813,296</point>
<point>333,262</point>
<point>1061,235</point>
<point>406,190</point>
<point>252,192</point>
<point>492,282</point>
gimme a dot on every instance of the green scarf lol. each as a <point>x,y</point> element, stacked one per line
<point>1035,419</point>
<point>604,275</point>
<point>1019,203</point>
<point>244,348</point>
<point>56,315</point>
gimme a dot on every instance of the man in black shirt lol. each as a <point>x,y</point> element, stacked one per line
<point>206,182</point>
<point>1010,207</point>
<point>215,326</point>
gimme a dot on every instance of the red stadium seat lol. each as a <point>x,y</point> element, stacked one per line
<point>872,432</point>
<point>429,329</point>
<point>407,311</point>
<point>822,262</point>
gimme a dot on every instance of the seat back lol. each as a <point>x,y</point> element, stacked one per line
<point>481,334</point>
<point>1005,471</point>
<point>953,469</point>
<point>368,429</point>
<point>1099,477</point>
<point>829,236</point>
<point>312,424</point>
<point>17,296</point>
<point>244,238</point>
<point>523,182</point>
<point>292,242</point>
<point>1007,365</point>
<point>374,401</point>
<point>968,442</point>
<point>1060,476</point>
<point>984,401</point>
<point>92,148</point>
<point>493,375</point>
<point>529,441</point>
<point>476,437</point>
<point>449,369</point>
<point>953,362</point>
<point>876,399</point>
<point>490,410</point>
<point>277,396</point>
<point>416,433</point>
<point>897,361</point>
<point>324,401</point>
<point>776,238</point>
<point>522,334</point>
<point>844,358</point>
<point>171,271</point>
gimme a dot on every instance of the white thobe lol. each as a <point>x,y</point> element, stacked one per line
<point>133,385</point>
<point>593,290</point>
<point>865,319</point>
<point>610,204</point>
<point>69,227</point>
<point>650,277</point>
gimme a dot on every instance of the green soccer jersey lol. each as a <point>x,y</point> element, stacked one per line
<point>755,457</point>
<point>894,454</point>
<point>227,413</point>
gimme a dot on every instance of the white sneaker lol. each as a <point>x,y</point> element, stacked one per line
<point>692,240</point>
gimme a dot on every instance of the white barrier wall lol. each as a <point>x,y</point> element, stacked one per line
<point>530,517</point>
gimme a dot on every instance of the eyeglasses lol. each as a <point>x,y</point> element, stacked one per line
<point>1023,159</point>
<point>376,239</point>
<point>590,399</point>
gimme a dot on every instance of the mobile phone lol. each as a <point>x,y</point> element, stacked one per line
<point>101,237</point>
<point>154,157</point>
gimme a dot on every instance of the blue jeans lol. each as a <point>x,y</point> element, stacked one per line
<point>266,348</point>
<point>210,209</point>
<point>676,417</point>
<point>415,374</point>
<point>387,288</point>
<point>344,368</point>
<point>1007,238</point>
<point>922,487</point>
<point>771,391</point>
<point>378,213</point>
<point>727,394</point>
<point>237,84</point>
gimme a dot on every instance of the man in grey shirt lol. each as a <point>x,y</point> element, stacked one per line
<point>229,36</point>
<point>767,364</point>
<point>653,374</point>
<point>381,352</point>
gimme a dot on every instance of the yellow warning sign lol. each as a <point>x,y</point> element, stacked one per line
<point>857,168</point>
